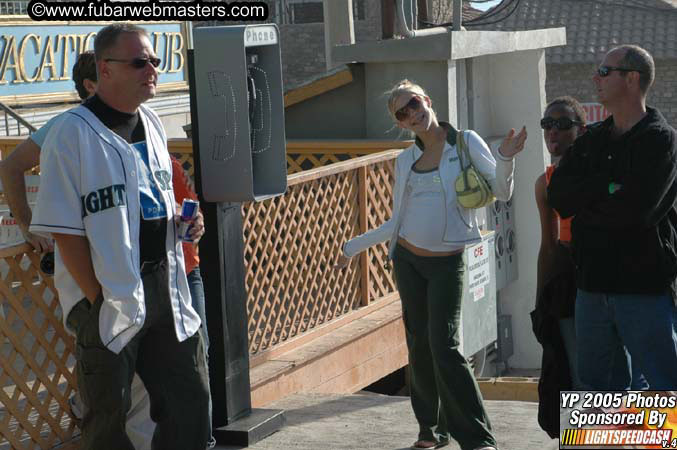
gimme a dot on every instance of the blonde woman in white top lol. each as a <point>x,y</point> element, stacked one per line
<point>428,232</point>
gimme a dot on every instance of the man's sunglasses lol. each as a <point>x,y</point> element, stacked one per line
<point>562,123</point>
<point>413,105</point>
<point>605,71</point>
<point>137,63</point>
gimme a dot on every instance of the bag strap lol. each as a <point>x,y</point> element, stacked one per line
<point>462,151</point>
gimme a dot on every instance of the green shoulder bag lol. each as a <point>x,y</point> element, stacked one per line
<point>472,190</point>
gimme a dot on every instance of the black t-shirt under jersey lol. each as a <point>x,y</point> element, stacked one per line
<point>129,127</point>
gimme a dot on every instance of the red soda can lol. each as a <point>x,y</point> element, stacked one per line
<point>189,209</point>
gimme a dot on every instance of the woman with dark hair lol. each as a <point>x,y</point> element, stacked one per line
<point>562,123</point>
<point>553,319</point>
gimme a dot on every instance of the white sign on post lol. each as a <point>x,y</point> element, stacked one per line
<point>478,270</point>
<point>10,233</point>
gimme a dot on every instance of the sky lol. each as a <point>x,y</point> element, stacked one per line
<point>485,6</point>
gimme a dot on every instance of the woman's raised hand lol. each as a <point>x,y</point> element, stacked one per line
<point>513,143</point>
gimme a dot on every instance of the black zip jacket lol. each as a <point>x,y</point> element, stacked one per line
<point>623,242</point>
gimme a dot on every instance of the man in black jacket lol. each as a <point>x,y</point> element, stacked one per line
<point>619,181</point>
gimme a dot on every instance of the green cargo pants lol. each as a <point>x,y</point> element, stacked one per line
<point>173,372</point>
<point>444,394</point>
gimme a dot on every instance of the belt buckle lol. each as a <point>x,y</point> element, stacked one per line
<point>147,266</point>
<point>144,266</point>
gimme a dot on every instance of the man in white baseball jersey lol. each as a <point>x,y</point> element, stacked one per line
<point>25,156</point>
<point>106,198</point>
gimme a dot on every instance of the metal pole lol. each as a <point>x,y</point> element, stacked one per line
<point>387,19</point>
<point>422,9</point>
<point>458,15</point>
<point>189,35</point>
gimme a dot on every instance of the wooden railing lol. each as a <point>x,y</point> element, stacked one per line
<point>301,154</point>
<point>291,244</point>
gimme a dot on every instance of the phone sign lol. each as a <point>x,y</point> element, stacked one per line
<point>255,36</point>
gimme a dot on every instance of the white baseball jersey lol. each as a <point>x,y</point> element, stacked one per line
<point>89,187</point>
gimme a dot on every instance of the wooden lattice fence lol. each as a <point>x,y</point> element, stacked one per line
<point>37,357</point>
<point>292,242</point>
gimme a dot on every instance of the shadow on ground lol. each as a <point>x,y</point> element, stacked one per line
<point>383,422</point>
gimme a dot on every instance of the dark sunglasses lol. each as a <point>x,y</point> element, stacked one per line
<point>402,113</point>
<point>605,71</point>
<point>137,63</point>
<point>562,123</point>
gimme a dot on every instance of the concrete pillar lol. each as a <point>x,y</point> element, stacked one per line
<point>338,27</point>
<point>518,98</point>
<point>438,78</point>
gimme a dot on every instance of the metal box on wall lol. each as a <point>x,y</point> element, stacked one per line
<point>495,223</point>
<point>501,219</point>
<point>240,112</point>
<point>478,306</point>
<point>510,241</point>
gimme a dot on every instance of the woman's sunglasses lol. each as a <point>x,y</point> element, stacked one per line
<point>605,71</point>
<point>403,113</point>
<point>137,63</point>
<point>562,123</point>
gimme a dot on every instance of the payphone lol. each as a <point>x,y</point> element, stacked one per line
<point>237,121</point>
<point>239,101</point>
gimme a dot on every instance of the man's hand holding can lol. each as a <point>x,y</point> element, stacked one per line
<point>190,213</point>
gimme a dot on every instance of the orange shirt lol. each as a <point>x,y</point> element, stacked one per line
<point>183,189</point>
<point>564,224</point>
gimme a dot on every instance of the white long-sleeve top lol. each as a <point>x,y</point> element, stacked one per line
<point>460,223</point>
<point>423,224</point>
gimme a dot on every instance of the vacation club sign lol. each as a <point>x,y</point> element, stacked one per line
<point>36,61</point>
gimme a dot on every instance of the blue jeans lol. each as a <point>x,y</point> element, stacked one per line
<point>615,332</point>
<point>197,296</point>
<point>567,329</point>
